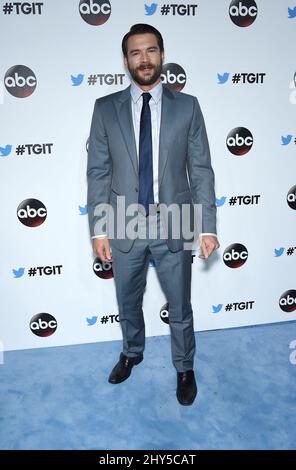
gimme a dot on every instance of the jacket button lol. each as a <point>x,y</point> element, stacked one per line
<point>136,190</point>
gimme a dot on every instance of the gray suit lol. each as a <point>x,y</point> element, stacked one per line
<point>113,170</point>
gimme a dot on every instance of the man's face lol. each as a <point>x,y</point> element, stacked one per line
<point>144,59</point>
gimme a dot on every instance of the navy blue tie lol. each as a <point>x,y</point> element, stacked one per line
<point>146,196</point>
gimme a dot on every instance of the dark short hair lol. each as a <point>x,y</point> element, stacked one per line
<point>141,28</point>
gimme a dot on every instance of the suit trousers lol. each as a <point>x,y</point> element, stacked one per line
<point>174,274</point>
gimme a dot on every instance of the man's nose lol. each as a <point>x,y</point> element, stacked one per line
<point>144,57</point>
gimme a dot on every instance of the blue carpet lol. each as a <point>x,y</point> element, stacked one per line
<point>59,398</point>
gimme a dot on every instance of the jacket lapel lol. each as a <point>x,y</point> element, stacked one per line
<point>167,116</point>
<point>124,115</point>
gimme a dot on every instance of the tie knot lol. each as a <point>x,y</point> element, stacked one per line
<point>146,97</point>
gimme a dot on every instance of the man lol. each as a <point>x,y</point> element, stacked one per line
<point>143,142</point>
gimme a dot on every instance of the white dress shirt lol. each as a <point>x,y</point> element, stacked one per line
<point>155,108</point>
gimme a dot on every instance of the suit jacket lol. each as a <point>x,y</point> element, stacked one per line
<point>185,173</point>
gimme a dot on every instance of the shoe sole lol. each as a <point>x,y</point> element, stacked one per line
<point>188,403</point>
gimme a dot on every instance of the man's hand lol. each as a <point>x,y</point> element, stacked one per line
<point>208,244</point>
<point>101,247</point>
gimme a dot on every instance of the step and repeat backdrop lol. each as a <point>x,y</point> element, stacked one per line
<point>57,57</point>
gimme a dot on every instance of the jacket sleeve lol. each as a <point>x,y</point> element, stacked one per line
<point>200,171</point>
<point>99,172</point>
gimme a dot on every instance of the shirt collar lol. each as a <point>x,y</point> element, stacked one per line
<point>155,92</point>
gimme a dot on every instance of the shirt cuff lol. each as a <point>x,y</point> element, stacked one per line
<point>103,235</point>
<point>213,234</point>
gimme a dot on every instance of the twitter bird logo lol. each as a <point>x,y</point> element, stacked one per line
<point>217,308</point>
<point>83,210</point>
<point>221,201</point>
<point>222,78</point>
<point>278,252</point>
<point>286,140</point>
<point>291,12</point>
<point>18,272</point>
<point>76,81</point>
<point>5,151</point>
<point>150,9</point>
<point>91,321</point>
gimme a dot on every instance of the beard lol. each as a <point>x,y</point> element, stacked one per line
<point>157,69</point>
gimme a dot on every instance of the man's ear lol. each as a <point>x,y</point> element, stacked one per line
<point>125,61</point>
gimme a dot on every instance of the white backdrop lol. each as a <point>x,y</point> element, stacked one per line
<point>43,156</point>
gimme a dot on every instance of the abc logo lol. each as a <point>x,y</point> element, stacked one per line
<point>287,301</point>
<point>235,255</point>
<point>291,198</point>
<point>31,212</point>
<point>43,324</point>
<point>95,12</point>
<point>243,12</point>
<point>102,270</point>
<point>164,313</point>
<point>239,141</point>
<point>20,81</point>
<point>173,76</point>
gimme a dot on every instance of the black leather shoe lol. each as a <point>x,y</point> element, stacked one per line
<point>123,368</point>
<point>186,387</point>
